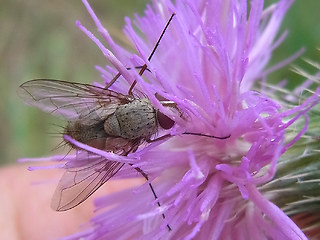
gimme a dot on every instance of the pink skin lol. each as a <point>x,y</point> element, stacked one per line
<point>25,205</point>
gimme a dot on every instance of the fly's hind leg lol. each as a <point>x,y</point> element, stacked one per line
<point>152,190</point>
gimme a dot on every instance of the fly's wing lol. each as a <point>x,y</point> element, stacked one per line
<point>79,183</point>
<point>71,101</point>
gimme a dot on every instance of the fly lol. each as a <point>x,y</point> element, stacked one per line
<point>100,118</point>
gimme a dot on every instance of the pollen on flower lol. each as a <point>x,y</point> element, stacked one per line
<point>206,67</point>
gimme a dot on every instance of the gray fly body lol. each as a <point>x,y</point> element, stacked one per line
<point>100,118</point>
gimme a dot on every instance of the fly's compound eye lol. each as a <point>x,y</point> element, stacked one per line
<point>164,121</point>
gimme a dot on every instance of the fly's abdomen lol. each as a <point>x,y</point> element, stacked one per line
<point>92,135</point>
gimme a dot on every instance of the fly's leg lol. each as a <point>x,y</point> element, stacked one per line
<point>152,190</point>
<point>113,80</point>
<point>144,67</point>
<point>119,74</point>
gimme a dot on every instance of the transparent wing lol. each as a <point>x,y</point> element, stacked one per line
<point>79,183</point>
<point>71,101</point>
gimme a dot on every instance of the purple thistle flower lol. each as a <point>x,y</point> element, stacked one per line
<point>208,63</point>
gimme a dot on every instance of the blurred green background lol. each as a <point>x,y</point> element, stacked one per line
<point>39,39</point>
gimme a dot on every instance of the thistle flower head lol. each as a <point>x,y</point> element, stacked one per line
<point>208,63</point>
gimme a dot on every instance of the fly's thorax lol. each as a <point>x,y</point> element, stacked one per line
<point>137,119</point>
